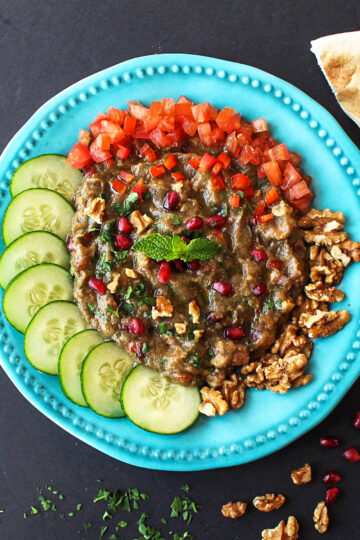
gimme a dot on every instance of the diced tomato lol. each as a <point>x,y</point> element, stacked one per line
<point>234,201</point>
<point>176,136</point>
<point>170,162</point>
<point>227,120</point>
<point>279,152</point>
<point>153,117</point>
<point>303,203</point>
<point>295,158</point>
<point>79,156</point>
<point>177,176</point>
<point>138,111</point>
<point>259,125</point>
<point>249,192</point>
<point>168,107</point>
<point>102,141</point>
<point>204,112</point>
<point>271,196</point>
<point>139,188</point>
<point>108,163</point>
<point>122,152</point>
<point>184,99</point>
<point>259,210</point>
<point>100,116</point>
<point>224,160</point>
<point>126,177</point>
<point>157,170</point>
<point>140,131</point>
<point>261,171</point>
<point>251,155</point>
<point>291,175</point>
<point>216,183</point>
<point>204,131</point>
<point>240,181</point>
<point>216,169</point>
<point>115,132</point>
<point>158,137</point>
<point>232,144</point>
<point>273,172</point>
<point>129,125</point>
<point>194,162</point>
<point>147,153</point>
<point>99,155</point>
<point>207,161</point>
<point>217,135</point>
<point>84,137</point>
<point>95,128</point>
<point>298,191</point>
<point>188,125</point>
<point>119,186</point>
<point>307,178</point>
<point>183,109</point>
<point>265,218</point>
<point>116,115</point>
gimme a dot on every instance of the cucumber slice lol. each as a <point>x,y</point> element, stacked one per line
<point>49,171</point>
<point>71,359</point>
<point>158,404</point>
<point>47,332</point>
<point>32,289</point>
<point>102,375</point>
<point>37,210</point>
<point>30,249</point>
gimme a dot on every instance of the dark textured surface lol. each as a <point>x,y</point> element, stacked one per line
<point>44,47</point>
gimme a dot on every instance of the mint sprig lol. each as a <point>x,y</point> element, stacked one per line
<point>166,248</point>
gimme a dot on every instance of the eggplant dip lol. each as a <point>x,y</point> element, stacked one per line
<point>190,248</point>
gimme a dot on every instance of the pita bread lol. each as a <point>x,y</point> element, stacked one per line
<point>339,58</point>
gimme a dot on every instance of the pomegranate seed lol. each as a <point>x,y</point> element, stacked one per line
<point>89,170</point>
<point>136,326</point>
<point>331,477</point>
<point>97,285</point>
<point>186,149</point>
<point>356,421</point>
<point>179,265</point>
<point>124,226</point>
<point>122,242</point>
<point>259,255</point>
<point>194,224</point>
<point>351,454</point>
<point>332,495</point>
<point>234,333</point>
<point>223,288</point>
<point>213,318</point>
<point>185,238</point>
<point>194,265</point>
<point>171,200</point>
<point>164,273</point>
<point>70,245</point>
<point>275,263</point>
<point>260,289</point>
<point>216,222</point>
<point>125,327</point>
<point>329,442</point>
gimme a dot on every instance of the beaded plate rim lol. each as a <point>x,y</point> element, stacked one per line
<point>64,413</point>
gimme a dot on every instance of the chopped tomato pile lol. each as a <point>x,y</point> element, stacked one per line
<point>166,124</point>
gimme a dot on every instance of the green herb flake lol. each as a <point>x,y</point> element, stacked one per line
<point>71,514</point>
<point>145,348</point>
<point>87,526</point>
<point>106,515</point>
<point>162,328</point>
<point>121,525</point>
<point>79,507</point>
<point>163,360</point>
<point>103,531</point>
<point>109,309</point>
<point>211,353</point>
<point>175,220</point>
<point>185,487</point>
<point>34,510</point>
<point>163,521</point>
<point>149,301</point>
<point>62,516</point>
<point>113,537</point>
<point>25,515</point>
<point>93,309</point>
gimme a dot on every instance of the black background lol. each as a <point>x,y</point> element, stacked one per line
<point>47,45</point>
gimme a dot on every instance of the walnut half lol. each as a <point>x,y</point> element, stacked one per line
<point>321,518</point>
<point>234,509</point>
<point>163,308</point>
<point>323,323</point>
<point>213,402</point>
<point>284,531</point>
<point>302,475</point>
<point>269,502</point>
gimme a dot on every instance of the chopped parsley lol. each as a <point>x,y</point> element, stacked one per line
<point>150,301</point>
<point>163,360</point>
<point>184,506</point>
<point>93,309</point>
<point>211,353</point>
<point>195,360</point>
<point>175,220</point>
<point>162,328</point>
<point>109,309</point>
<point>127,205</point>
<point>145,348</point>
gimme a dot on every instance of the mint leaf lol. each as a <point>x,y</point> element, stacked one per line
<point>179,247</point>
<point>156,246</point>
<point>201,249</point>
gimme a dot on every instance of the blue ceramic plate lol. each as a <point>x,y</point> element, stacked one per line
<point>268,421</point>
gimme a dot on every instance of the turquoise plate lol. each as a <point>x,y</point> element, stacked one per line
<point>268,421</point>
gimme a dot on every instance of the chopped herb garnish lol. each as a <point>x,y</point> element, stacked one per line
<point>87,526</point>
<point>113,537</point>
<point>127,307</point>
<point>25,515</point>
<point>150,301</point>
<point>191,336</point>
<point>162,328</point>
<point>121,525</point>
<point>126,206</point>
<point>211,353</point>
<point>34,510</point>
<point>62,516</point>
<point>93,309</point>
<point>109,309</point>
<point>103,530</point>
<point>106,515</point>
<point>145,348</point>
<point>195,360</point>
<point>71,514</point>
<point>175,220</point>
<point>163,520</point>
<point>79,507</point>
<point>128,292</point>
<point>185,487</point>
<point>163,360</point>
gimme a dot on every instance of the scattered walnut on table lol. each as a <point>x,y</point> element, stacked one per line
<point>163,308</point>
<point>269,502</point>
<point>323,293</point>
<point>234,509</point>
<point>302,475</point>
<point>284,531</point>
<point>321,518</point>
<point>213,402</point>
<point>323,323</point>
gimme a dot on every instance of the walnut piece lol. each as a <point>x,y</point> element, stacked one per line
<point>233,391</point>
<point>288,531</point>
<point>114,283</point>
<point>214,398</point>
<point>163,308</point>
<point>323,323</point>
<point>180,328</point>
<point>234,509</point>
<point>198,334</point>
<point>321,518</point>
<point>346,251</point>
<point>318,218</point>
<point>131,273</point>
<point>323,293</point>
<point>325,227</point>
<point>194,311</point>
<point>302,475</point>
<point>140,221</point>
<point>269,502</point>
<point>96,210</point>
<point>292,338</point>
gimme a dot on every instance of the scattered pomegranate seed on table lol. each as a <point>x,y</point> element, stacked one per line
<point>136,326</point>
<point>356,421</point>
<point>97,285</point>
<point>351,454</point>
<point>331,477</point>
<point>223,288</point>
<point>329,442</point>
<point>164,273</point>
<point>194,223</point>
<point>332,495</point>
